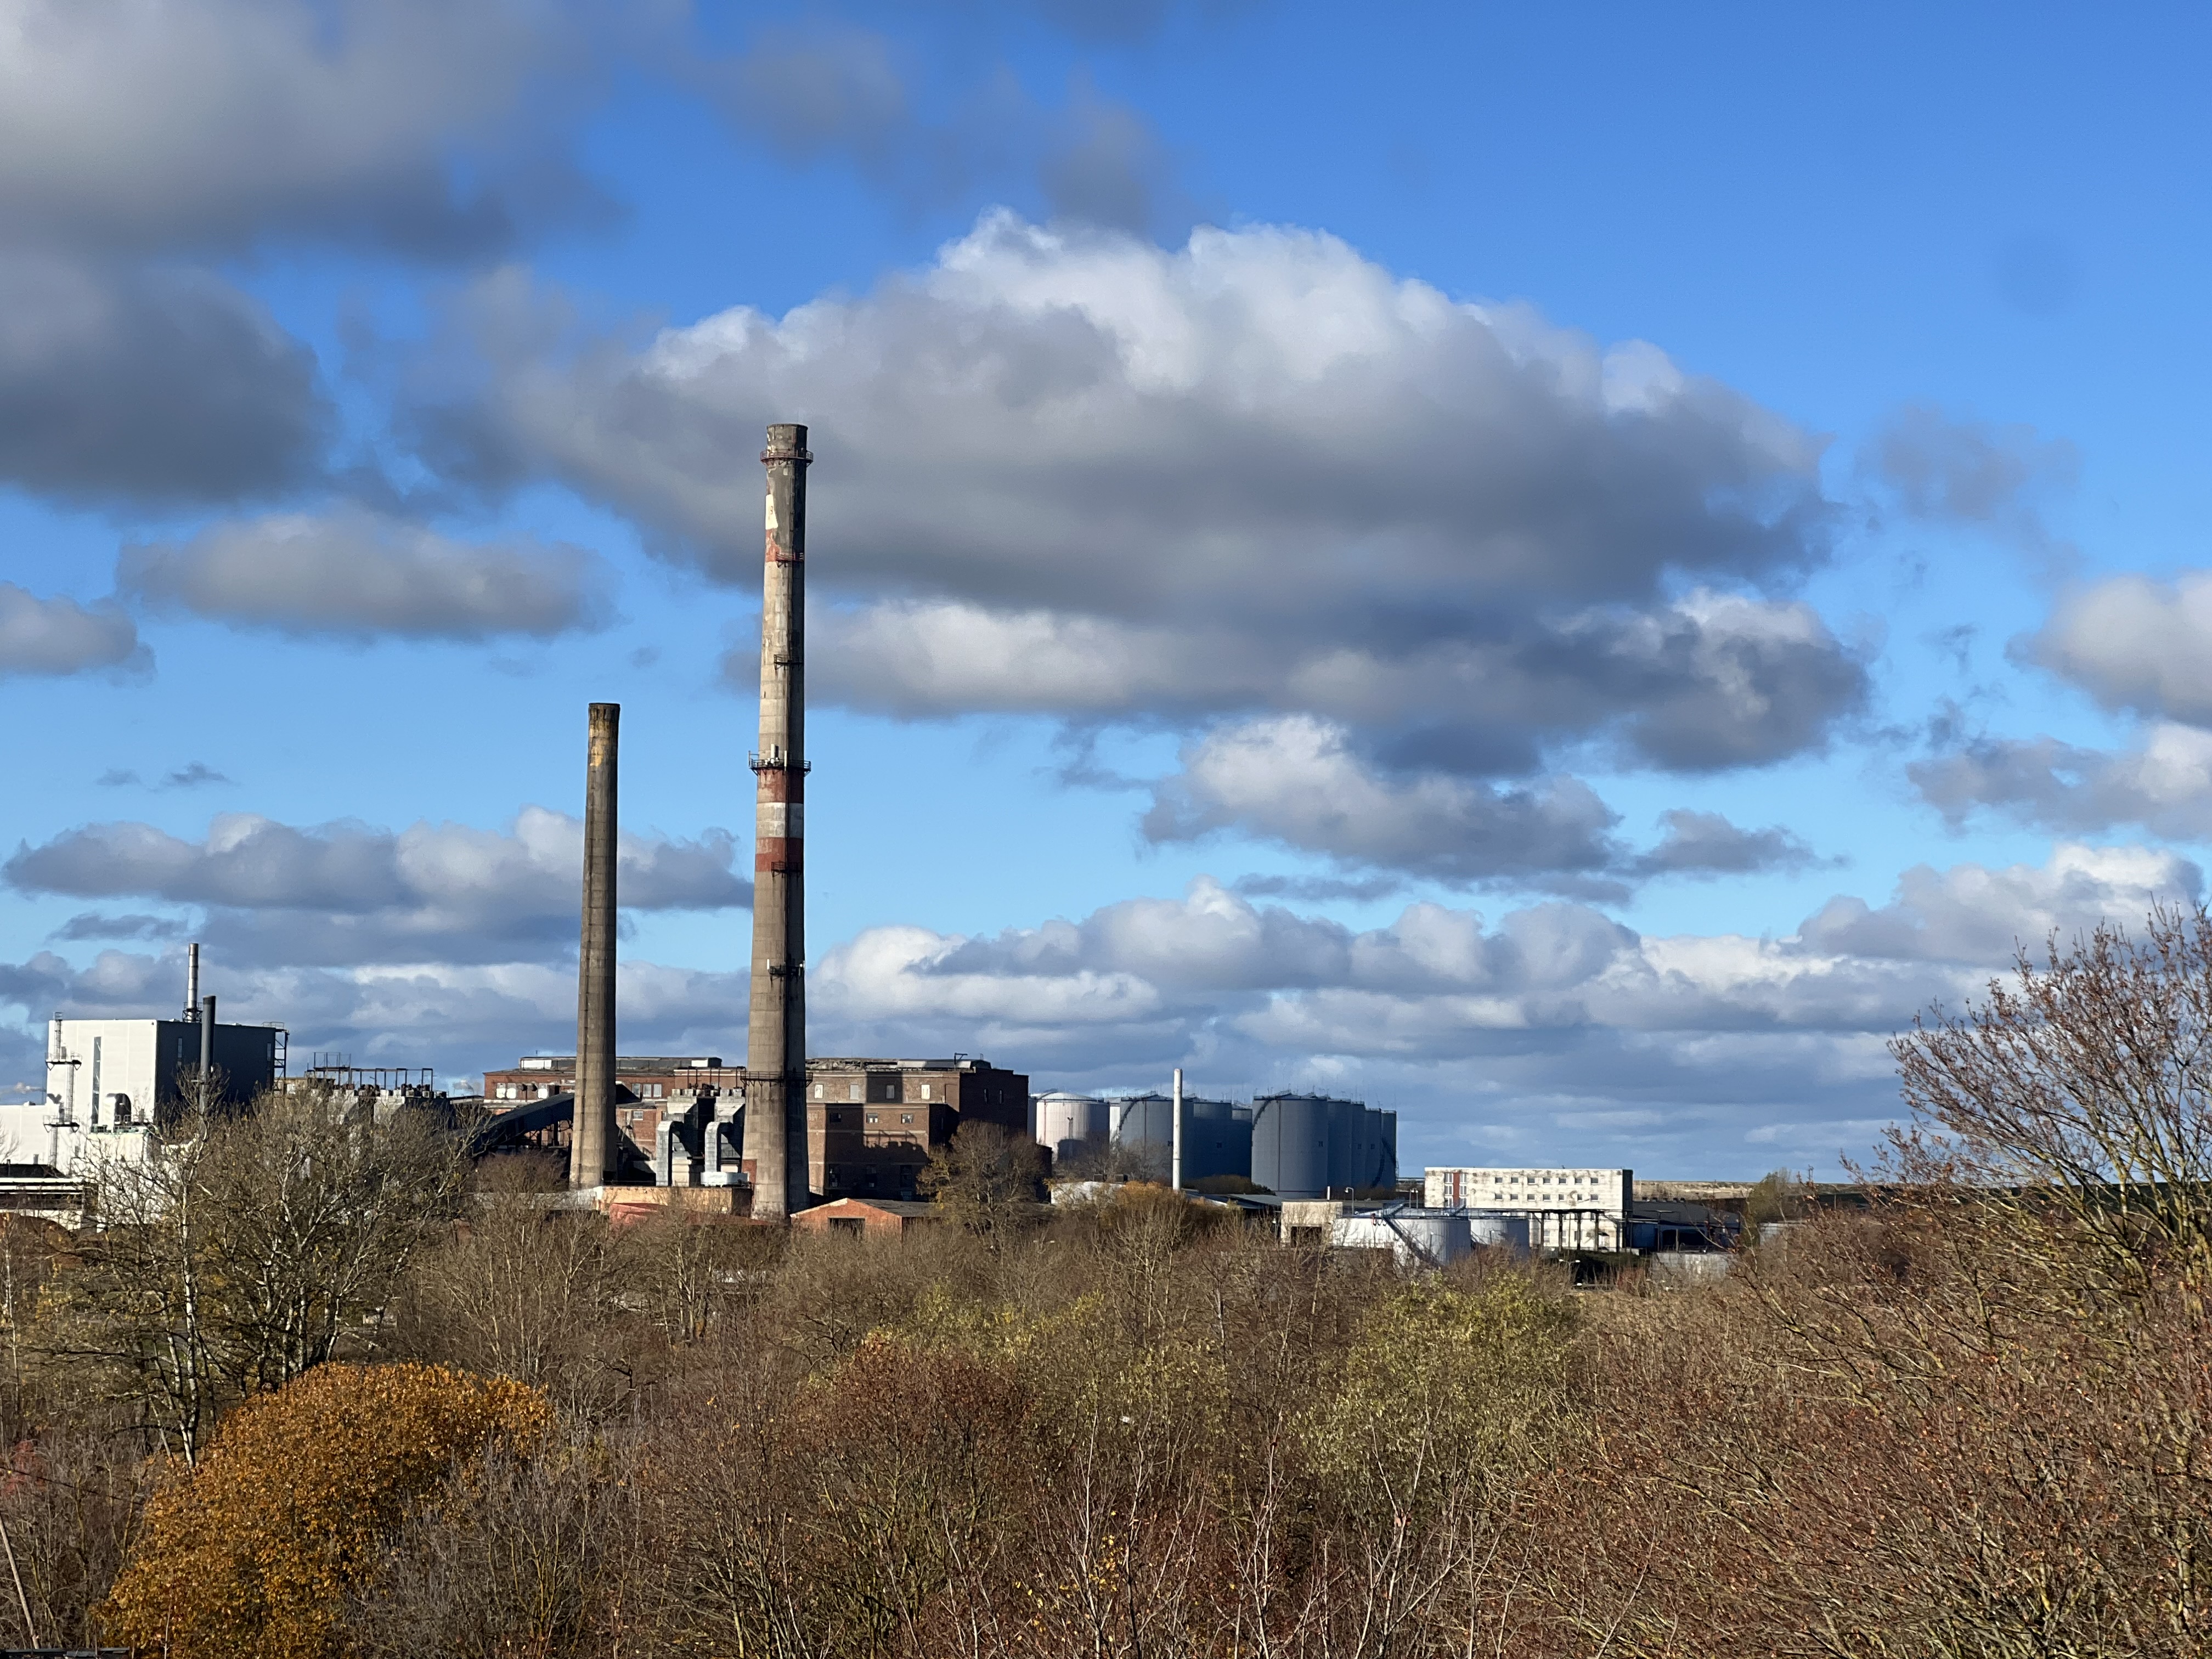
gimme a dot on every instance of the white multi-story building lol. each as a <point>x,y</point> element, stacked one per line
<point>1567,1209</point>
<point>110,1082</point>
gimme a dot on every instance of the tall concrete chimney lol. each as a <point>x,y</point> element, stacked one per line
<point>775,1043</point>
<point>592,1129</point>
<point>207,1053</point>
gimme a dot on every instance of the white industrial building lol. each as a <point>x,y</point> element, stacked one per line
<point>1567,1209</point>
<point>110,1082</point>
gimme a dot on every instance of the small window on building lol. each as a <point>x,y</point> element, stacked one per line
<point>122,1110</point>
<point>818,1092</point>
<point>852,1093</point>
<point>929,1092</point>
<point>875,1117</point>
<point>905,1117</point>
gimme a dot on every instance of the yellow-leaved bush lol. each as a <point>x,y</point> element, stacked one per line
<point>255,1551</point>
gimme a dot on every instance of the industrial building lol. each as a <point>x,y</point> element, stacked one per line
<point>872,1124</point>
<point>1568,1209</point>
<point>112,1083</point>
<point>1313,1146</point>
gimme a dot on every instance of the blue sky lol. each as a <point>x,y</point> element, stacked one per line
<point>1563,569</point>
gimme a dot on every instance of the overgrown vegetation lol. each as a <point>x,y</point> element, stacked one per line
<point>1968,1417</point>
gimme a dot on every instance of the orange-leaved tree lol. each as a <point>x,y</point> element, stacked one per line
<point>255,1552</point>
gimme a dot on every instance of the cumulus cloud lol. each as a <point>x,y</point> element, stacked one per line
<point>2163,782</point>
<point>60,637</point>
<point>1707,844</point>
<point>1088,422</point>
<point>353,574</point>
<point>1946,470</point>
<point>1294,781</point>
<point>1972,914</point>
<point>1256,476</point>
<point>90,925</point>
<point>348,892</point>
<point>2135,643</point>
<point>150,384</point>
<point>1705,683</point>
<point>837,92</point>
<point>426,125</point>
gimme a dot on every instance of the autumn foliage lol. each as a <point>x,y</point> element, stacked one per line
<point>253,1554</point>
<point>1966,1414</point>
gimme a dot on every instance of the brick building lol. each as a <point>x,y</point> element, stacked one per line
<point>870,1123</point>
<point>645,1086</point>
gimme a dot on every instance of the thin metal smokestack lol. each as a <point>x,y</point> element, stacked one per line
<point>1175,1134</point>
<point>193,981</point>
<point>592,1127</point>
<point>775,1044</point>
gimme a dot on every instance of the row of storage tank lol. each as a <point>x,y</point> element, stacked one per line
<point>1295,1146</point>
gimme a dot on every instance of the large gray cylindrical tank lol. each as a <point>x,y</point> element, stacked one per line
<point>1063,1117</point>
<point>1217,1139</point>
<point>1142,1120</point>
<point>1291,1144</point>
<point>1379,1150</point>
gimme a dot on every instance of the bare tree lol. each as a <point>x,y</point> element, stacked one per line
<point>2083,1090</point>
<point>244,1250</point>
<point>984,1178</point>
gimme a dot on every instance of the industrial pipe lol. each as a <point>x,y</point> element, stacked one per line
<point>1175,1135</point>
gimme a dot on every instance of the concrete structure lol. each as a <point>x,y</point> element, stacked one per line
<point>775,1042</point>
<point>1217,1135</point>
<point>592,1134</point>
<point>879,1218</point>
<point>1307,1146</point>
<point>1568,1209</point>
<point>872,1124</point>
<point>648,1088</point>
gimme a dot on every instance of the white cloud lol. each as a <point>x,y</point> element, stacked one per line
<point>353,574</point>
<point>1295,780</point>
<point>348,893</point>
<point>2135,643</point>
<point>1550,1027</point>
<point>60,637</point>
<point>2163,782</point>
<point>153,124</point>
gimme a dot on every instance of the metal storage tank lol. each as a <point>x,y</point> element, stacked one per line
<point>1217,1135</point>
<point>1348,1145</point>
<point>1291,1144</point>
<point>1419,1238</point>
<point>1495,1230</point>
<point>1143,1120</point>
<point>1379,1155</point>
<point>1217,1139</point>
<point>1062,1118</point>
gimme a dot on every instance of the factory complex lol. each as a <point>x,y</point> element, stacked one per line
<point>784,1132</point>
